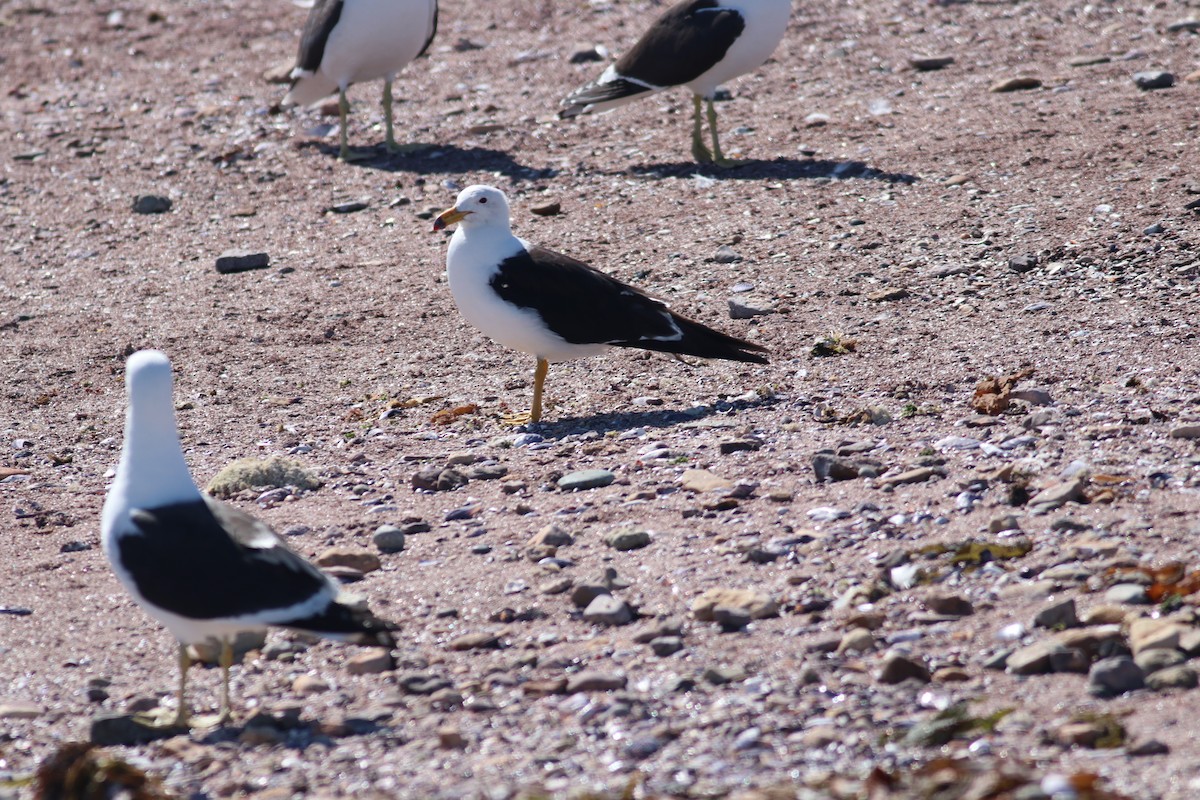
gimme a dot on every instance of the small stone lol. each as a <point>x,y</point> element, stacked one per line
<point>1008,522</point>
<point>1088,60</point>
<point>832,468</point>
<point>1153,79</point>
<point>1044,657</point>
<point>666,645</point>
<point>726,255</point>
<point>757,604</point>
<point>1110,677</point>
<point>930,63</point>
<point>723,674</point>
<point>888,295</point>
<point>350,206</point>
<point>1150,634</point>
<point>370,662</point>
<point>950,605</point>
<point>388,539</point>
<point>731,619</point>
<point>280,71</point>
<point>738,445</point>
<point>1015,84</point>
<point>19,710</point>
<point>1181,677</point>
<point>550,209</point>
<point>701,480</point>
<point>583,594</point>
<point>1021,264</point>
<point>858,640</point>
<point>585,56</point>
<point>1057,616</point>
<point>556,585</point>
<point>450,479</point>
<point>450,738</point>
<point>310,684</point>
<point>1057,495</point>
<point>898,668</point>
<point>606,609</point>
<point>628,539</point>
<point>1130,594</point>
<point>475,641</point>
<point>1147,747</point>
<point>739,310</point>
<point>151,204</point>
<point>358,558</point>
<point>1154,229</point>
<point>1158,658</point>
<point>595,681</point>
<point>951,675</point>
<point>425,479</point>
<point>242,261</point>
<point>117,730</point>
<point>1080,734</point>
<point>1185,432</point>
<point>1104,615</point>
<point>918,475</point>
<point>586,479</point>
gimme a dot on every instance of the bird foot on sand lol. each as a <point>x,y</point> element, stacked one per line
<point>516,420</point>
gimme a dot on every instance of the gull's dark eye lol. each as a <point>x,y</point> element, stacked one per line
<point>483,200</point>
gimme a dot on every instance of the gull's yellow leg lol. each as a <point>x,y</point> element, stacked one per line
<point>226,662</point>
<point>539,380</point>
<point>699,151</point>
<point>535,413</point>
<point>718,159</point>
<point>185,661</point>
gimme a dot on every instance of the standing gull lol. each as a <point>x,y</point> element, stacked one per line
<point>351,41</point>
<point>554,307</point>
<point>203,568</point>
<point>697,43</point>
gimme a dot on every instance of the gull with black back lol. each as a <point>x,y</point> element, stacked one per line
<point>699,44</point>
<point>205,569</point>
<point>553,307</point>
<point>352,41</point>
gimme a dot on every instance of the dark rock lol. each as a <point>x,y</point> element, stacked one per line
<point>548,209</point>
<point>666,645</point>
<point>586,479</point>
<point>595,681</point>
<point>115,730</point>
<point>242,261</point>
<point>450,479</point>
<point>1109,677</point>
<point>151,204</point>
<point>1057,616</point>
<point>737,445</point>
<point>730,618</point>
<point>350,206</point>
<point>832,468</point>
<point>950,605</point>
<point>897,669</point>
<point>1153,79</point>
<point>1023,263</point>
<point>930,63</point>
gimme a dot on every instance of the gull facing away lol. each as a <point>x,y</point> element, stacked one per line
<point>699,44</point>
<point>352,41</point>
<point>202,568</point>
<point>554,307</point>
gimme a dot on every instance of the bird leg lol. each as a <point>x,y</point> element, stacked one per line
<point>185,661</point>
<point>390,139</point>
<point>718,159</point>
<point>699,151</point>
<point>345,153</point>
<point>226,661</point>
<point>535,413</point>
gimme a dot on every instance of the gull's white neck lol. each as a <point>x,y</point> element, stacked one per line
<point>152,471</point>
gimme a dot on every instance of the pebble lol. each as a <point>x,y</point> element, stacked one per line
<point>701,480</point>
<point>950,605</point>
<point>1024,263</point>
<point>739,445</point>
<point>1154,229</point>
<point>586,479</point>
<point>898,668</point>
<point>310,684</point>
<point>929,63</point>
<point>1057,616</point>
<point>388,539</point>
<point>553,208</point>
<point>1158,658</point>
<point>242,261</point>
<point>858,640</point>
<point>151,204</point>
<point>370,662</point>
<point>1130,594</point>
<point>583,594</point>
<point>726,255</point>
<point>918,475</point>
<point>1110,677</point>
<point>1057,495</point>
<point>1186,432</point>
<point>747,739</point>
<point>20,710</point>
<point>831,468</point>
<point>739,310</point>
<point>595,681</point>
<point>350,206</point>
<point>474,641</point>
<point>1044,657</point>
<point>723,674</point>
<point>606,609</point>
<point>116,730</point>
<point>1153,79</point>
<point>666,645</point>
<point>1181,677</point>
<point>1015,84</point>
<point>1147,747</point>
<point>628,539</point>
<point>731,619</point>
<point>756,604</point>
<point>357,558</point>
<point>1149,634</point>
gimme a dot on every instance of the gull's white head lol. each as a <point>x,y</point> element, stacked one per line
<point>148,380</point>
<point>476,207</point>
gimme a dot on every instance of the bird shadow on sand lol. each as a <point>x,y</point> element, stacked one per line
<point>664,418</point>
<point>775,169</point>
<point>441,158</point>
